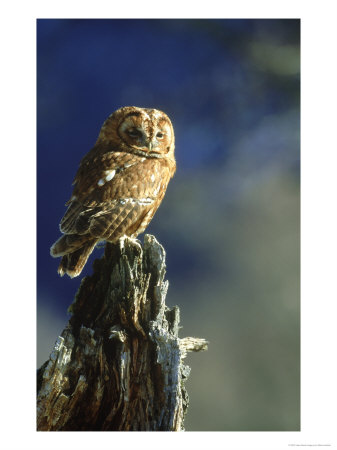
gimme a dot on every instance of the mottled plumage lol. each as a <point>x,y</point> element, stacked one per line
<point>119,185</point>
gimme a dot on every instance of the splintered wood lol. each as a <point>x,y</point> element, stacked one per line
<point>118,364</point>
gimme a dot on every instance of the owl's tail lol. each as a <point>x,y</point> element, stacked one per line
<point>73,263</point>
<point>75,251</point>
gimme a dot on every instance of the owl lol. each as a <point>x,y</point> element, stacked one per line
<point>119,184</point>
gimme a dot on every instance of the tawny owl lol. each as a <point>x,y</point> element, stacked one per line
<point>119,185</point>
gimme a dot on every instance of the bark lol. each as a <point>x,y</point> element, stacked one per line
<point>118,364</point>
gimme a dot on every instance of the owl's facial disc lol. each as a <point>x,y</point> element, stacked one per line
<point>139,135</point>
<point>148,131</point>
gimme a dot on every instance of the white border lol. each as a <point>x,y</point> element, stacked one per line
<point>319,223</point>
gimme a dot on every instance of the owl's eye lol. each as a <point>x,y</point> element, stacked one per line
<point>134,133</point>
<point>159,135</point>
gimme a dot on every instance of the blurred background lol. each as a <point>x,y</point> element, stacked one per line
<point>230,219</point>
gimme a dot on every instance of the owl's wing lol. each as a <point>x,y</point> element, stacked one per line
<point>118,199</point>
<point>96,169</point>
<point>120,216</point>
<point>125,217</point>
<point>97,173</point>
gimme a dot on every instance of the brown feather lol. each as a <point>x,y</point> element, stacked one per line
<point>73,263</point>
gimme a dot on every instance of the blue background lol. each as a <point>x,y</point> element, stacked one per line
<point>230,219</point>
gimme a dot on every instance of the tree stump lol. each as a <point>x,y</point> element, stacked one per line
<point>118,363</point>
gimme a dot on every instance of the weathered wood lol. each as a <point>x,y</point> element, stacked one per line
<point>118,363</point>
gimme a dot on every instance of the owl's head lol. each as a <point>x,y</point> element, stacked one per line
<point>139,130</point>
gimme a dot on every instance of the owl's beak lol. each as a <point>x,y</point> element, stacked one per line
<point>151,144</point>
